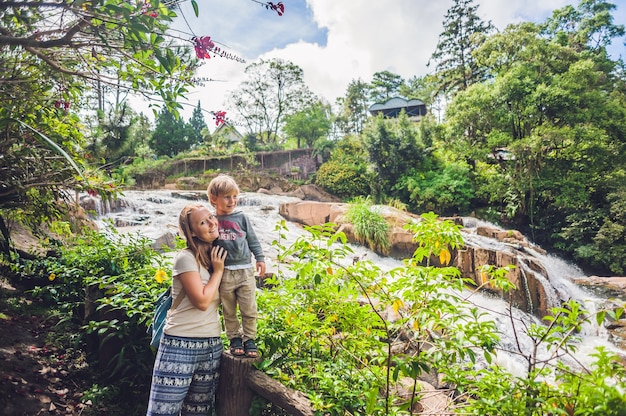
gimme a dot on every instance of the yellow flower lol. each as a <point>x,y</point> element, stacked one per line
<point>160,276</point>
<point>52,277</point>
<point>444,257</point>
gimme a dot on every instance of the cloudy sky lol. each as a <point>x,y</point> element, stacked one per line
<point>336,41</point>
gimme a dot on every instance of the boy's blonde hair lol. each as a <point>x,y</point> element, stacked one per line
<point>220,185</point>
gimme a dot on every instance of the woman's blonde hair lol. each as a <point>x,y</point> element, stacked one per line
<point>200,249</point>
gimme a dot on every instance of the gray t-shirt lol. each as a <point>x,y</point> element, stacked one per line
<point>238,238</point>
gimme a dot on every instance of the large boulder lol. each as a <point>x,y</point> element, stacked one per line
<point>309,212</point>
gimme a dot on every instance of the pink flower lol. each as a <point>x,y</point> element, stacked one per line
<point>203,45</point>
<point>220,117</point>
<point>278,7</point>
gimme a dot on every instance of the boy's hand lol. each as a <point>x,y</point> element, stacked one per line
<point>260,268</point>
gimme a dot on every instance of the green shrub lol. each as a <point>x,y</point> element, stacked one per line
<point>345,180</point>
<point>370,227</point>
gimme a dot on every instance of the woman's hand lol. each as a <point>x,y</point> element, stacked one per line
<point>218,255</point>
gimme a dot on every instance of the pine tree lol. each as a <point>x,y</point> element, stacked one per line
<point>171,135</point>
<point>463,32</point>
<point>197,123</point>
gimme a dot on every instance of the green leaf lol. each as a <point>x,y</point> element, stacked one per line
<point>195,7</point>
<point>55,147</point>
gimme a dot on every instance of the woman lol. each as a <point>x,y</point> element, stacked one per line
<point>186,369</point>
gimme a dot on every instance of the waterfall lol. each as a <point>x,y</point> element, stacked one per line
<point>154,214</point>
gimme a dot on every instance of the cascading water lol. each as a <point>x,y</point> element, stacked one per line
<point>154,214</point>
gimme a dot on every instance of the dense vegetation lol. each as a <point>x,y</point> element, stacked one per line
<point>355,338</point>
<point>526,127</point>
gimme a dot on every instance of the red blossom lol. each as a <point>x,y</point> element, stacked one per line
<point>220,117</point>
<point>92,192</point>
<point>278,7</point>
<point>65,105</point>
<point>145,9</point>
<point>203,45</point>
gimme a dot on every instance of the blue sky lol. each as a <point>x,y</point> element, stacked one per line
<point>337,41</point>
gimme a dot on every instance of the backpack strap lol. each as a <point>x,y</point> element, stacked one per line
<point>179,299</point>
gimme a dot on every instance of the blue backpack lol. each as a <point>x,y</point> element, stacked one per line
<point>162,305</point>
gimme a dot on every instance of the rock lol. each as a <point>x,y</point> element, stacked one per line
<point>306,212</point>
<point>612,286</point>
<point>429,400</point>
<point>308,192</point>
<point>168,240</point>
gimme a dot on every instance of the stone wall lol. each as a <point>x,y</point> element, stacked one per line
<point>285,163</point>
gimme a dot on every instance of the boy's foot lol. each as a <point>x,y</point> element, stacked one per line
<point>236,347</point>
<point>250,348</point>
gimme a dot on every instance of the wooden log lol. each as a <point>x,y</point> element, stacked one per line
<point>292,401</point>
<point>234,397</point>
<point>239,381</point>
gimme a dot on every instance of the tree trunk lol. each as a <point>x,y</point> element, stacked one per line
<point>233,394</point>
<point>239,381</point>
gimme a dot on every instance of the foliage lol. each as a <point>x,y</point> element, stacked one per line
<point>311,124</point>
<point>273,90</point>
<point>172,135</point>
<point>463,32</point>
<point>53,56</point>
<point>370,226</point>
<point>345,174</point>
<point>198,124</point>
<point>119,273</point>
<point>394,150</point>
<point>353,109</point>
<point>325,329</point>
<point>446,189</point>
<point>109,42</point>
<point>384,85</point>
<point>548,119</point>
<point>342,180</point>
<point>550,384</point>
<point>329,322</point>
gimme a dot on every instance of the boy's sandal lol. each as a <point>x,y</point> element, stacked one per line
<point>236,347</point>
<point>250,348</point>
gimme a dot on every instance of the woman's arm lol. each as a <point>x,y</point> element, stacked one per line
<point>201,295</point>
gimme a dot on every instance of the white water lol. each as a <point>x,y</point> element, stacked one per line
<point>154,213</point>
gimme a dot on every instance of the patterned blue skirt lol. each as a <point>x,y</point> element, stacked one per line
<point>185,376</point>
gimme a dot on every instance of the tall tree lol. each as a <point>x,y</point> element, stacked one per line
<point>171,134</point>
<point>353,108</point>
<point>463,32</point>
<point>393,149</point>
<point>310,124</point>
<point>384,85</point>
<point>589,26</point>
<point>51,55</point>
<point>273,89</point>
<point>557,109</point>
<point>197,123</point>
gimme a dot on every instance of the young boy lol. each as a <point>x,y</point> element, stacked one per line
<point>238,285</point>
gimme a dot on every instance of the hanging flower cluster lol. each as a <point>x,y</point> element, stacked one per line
<point>203,45</point>
<point>277,7</point>
<point>146,9</point>
<point>219,117</point>
<point>62,104</point>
